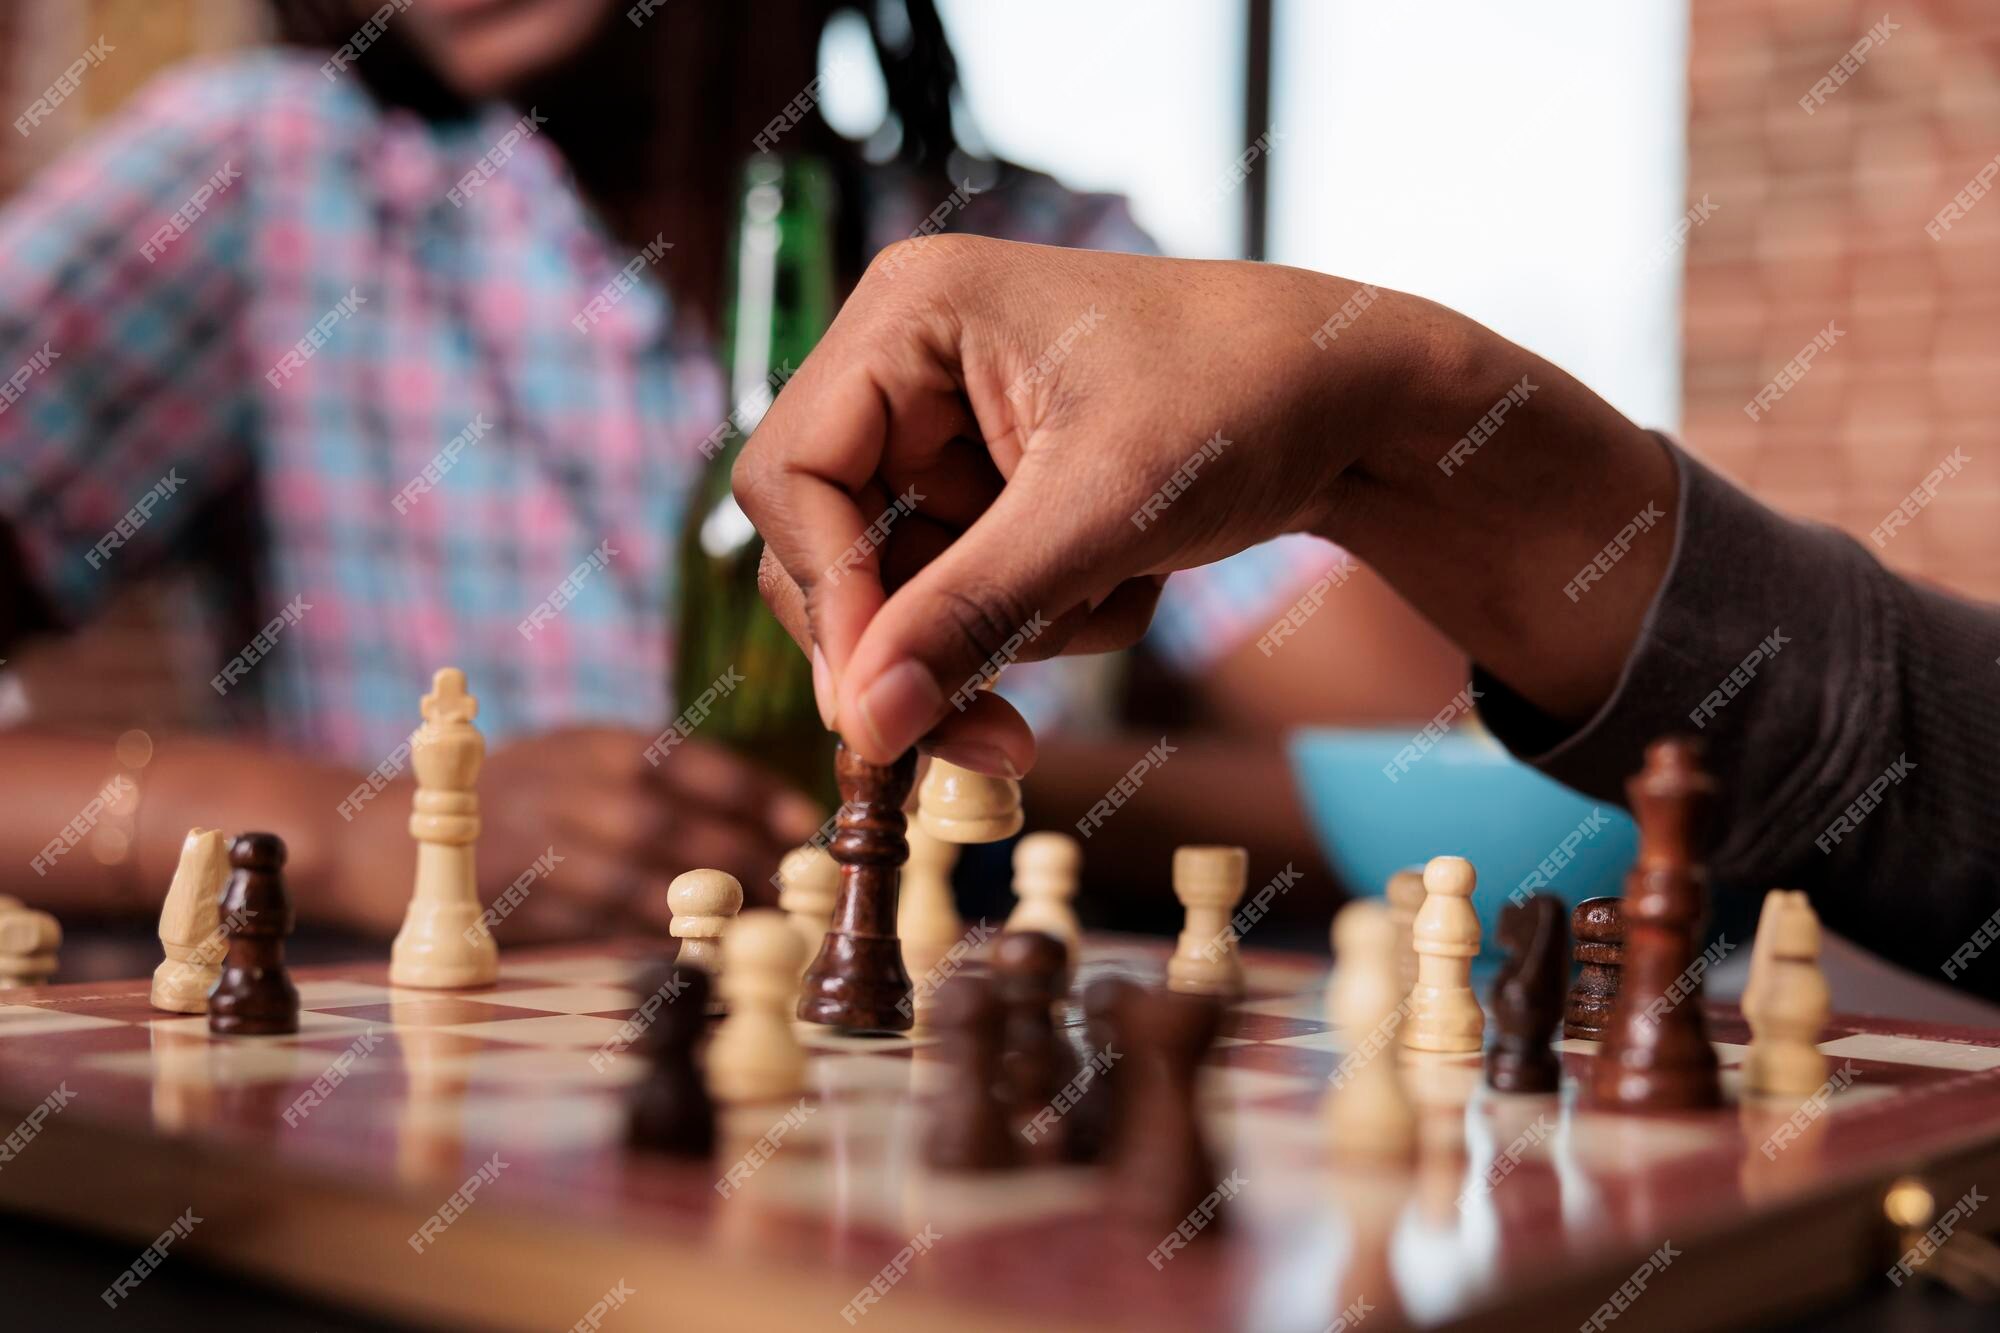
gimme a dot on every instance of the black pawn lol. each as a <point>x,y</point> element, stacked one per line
<point>1163,1170</point>
<point>1527,999</point>
<point>969,1128</point>
<point>670,1108</point>
<point>1028,972</point>
<point>1091,1123</point>
<point>254,996</point>
<point>1599,927</point>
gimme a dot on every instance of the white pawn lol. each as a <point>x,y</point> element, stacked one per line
<point>754,1055</point>
<point>1046,867</point>
<point>927,920</point>
<point>808,883</point>
<point>1444,1013</point>
<point>444,943</point>
<point>1367,1110</point>
<point>1209,882</point>
<point>1786,1001</point>
<point>702,903</point>
<point>957,805</point>
<point>191,925</point>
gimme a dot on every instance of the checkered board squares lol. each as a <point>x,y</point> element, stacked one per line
<point>534,1068</point>
<point>1887,1048</point>
<point>26,1020</point>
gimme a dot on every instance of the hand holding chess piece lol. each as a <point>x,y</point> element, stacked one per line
<point>1444,1013</point>
<point>444,943</point>
<point>1785,1001</point>
<point>191,925</point>
<point>254,996</point>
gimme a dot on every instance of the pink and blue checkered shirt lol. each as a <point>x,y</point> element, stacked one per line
<point>252,307</point>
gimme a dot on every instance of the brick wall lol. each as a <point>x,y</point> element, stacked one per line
<point>1821,218</point>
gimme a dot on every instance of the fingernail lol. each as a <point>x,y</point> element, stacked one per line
<point>988,759</point>
<point>794,818</point>
<point>824,692</point>
<point>900,706</point>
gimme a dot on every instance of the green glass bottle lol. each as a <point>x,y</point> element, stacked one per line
<point>782,297</point>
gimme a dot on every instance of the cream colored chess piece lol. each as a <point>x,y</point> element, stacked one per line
<point>808,883</point>
<point>1405,895</point>
<point>1367,1111</point>
<point>1046,867</point>
<point>754,1055</point>
<point>703,903</point>
<point>1209,882</point>
<point>1444,1013</point>
<point>28,943</point>
<point>927,920</point>
<point>191,925</point>
<point>444,943</point>
<point>957,805</point>
<point>1786,1001</point>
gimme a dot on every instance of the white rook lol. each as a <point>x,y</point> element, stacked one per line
<point>1209,882</point>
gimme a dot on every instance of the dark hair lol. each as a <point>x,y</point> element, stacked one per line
<point>656,118</point>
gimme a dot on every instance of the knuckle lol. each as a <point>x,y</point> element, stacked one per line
<point>983,615</point>
<point>911,262</point>
<point>749,475</point>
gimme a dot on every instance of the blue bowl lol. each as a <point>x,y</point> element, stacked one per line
<point>1465,796</point>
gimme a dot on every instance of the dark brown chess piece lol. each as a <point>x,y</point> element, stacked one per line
<point>671,1111</point>
<point>1527,998</point>
<point>858,981</point>
<point>254,996</point>
<point>1598,925</point>
<point>1035,1062</point>
<point>1656,1055</point>
<point>1088,1128</point>
<point>1163,1170</point>
<point>969,1127</point>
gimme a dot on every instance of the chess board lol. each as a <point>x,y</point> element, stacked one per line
<point>318,1160</point>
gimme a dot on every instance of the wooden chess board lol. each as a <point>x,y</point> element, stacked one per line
<point>1524,1212</point>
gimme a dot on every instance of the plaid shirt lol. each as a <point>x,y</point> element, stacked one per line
<point>257,288</point>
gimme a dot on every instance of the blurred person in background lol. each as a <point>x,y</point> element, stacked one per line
<point>332,202</point>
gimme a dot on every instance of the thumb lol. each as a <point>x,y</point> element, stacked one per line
<point>1014,585</point>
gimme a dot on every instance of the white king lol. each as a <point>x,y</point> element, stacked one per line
<point>444,944</point>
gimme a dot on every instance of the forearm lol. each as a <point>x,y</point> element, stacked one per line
<point>1501,535</point>
<point>1847,713</point>
<point>49,845</point>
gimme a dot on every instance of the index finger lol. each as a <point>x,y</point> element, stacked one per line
<point>871,385</point>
